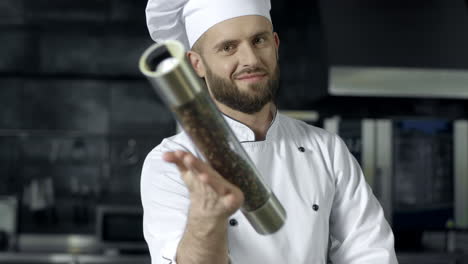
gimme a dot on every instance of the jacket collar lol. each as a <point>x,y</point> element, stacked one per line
<point>245,134</point>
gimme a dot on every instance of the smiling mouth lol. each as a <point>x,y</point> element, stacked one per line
<point>255,77</point>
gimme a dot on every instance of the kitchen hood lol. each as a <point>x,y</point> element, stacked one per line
<point>397,48</point>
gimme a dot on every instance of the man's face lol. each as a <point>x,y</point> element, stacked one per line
<point>240,63</point>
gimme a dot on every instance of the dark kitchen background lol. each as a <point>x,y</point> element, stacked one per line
<point>77,118</point>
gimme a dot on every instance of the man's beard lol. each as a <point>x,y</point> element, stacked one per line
<point>227,93</point>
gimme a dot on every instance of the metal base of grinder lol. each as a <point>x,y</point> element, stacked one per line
<point>269,218</point>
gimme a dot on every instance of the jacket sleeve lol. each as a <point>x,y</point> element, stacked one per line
<point>359,232</point>
<point>165,202</point>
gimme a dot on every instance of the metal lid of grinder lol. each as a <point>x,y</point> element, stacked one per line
<point>166,63</point>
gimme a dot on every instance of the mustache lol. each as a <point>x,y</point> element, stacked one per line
<point>249,71</point>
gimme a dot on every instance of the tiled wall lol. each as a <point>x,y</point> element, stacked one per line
<point>74,108</point>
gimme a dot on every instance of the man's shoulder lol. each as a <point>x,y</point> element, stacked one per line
<point>154,163</point>
<point>179,141</point>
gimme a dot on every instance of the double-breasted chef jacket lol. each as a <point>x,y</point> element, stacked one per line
<point>332,214</point>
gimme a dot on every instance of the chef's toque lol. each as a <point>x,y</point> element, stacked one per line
<point>187,20</point>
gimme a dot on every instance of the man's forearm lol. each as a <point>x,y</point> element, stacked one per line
<point>212,200</point>
<point>204,242</point>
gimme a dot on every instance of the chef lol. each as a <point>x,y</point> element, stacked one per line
<point>191,213</point>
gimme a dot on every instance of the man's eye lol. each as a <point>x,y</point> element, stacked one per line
<point>228,48</point>
<point>259,40</point>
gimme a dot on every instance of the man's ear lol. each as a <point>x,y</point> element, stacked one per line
<point>277,43</point>
<point>197,63</point>
<point>277,40</point>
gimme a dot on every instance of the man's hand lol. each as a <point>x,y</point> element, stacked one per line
<point>211,195</point>
<point>212,200</point>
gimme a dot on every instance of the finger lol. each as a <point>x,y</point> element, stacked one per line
<point>187,175</point>
<point>220,187</point>
<point>194,163</point>
<point>230,202</point>
<point>191,181</point>
<point>176,157</point>
<point>233,200</point>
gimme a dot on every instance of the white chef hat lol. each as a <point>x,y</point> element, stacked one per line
<point>187,20</point>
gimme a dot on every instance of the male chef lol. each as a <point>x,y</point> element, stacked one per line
<point>191,213</point>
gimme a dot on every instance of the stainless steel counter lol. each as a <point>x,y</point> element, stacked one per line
<point>28,258</point>
<point>432,258</point>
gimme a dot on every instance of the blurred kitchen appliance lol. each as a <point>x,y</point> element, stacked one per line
<point>398,82</point>
<point>120,228</point>
<point>8,219</point>
<point>461,174</point>
<point>423,176</point>
<point>310,117</point>
<point>418,169</point>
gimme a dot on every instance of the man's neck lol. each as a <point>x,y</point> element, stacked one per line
<point>259,122</point>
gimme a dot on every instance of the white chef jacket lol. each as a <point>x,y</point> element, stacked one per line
<point>332,215</point>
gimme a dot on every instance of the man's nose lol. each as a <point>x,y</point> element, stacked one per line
<point>248,56</point>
